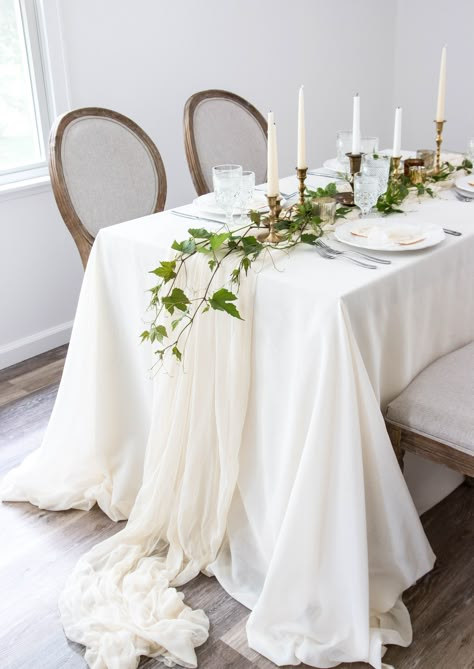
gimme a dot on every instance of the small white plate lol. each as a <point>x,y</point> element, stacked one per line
<point>207,204</point>
<point>383,235</point>
<point>465,184</point>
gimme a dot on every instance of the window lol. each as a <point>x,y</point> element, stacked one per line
<point>25,105</point>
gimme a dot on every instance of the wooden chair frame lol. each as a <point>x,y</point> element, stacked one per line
<point>404,439</point>
<point>79,232</point>
<point>192,156</point>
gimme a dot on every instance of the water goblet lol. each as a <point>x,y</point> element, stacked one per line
<point>366,192</point>
<point>343,146</point>
<point>227,181</point>
<point>247,189</point>
<point>369,145</point>
<point>377,166</point>
<point>470,149</point>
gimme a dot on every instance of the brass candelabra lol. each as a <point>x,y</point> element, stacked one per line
<point>271,236</point>
<point>439,141</point>
<point>301,174</point>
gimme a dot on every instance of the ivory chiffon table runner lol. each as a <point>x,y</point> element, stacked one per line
<point>265,461</point>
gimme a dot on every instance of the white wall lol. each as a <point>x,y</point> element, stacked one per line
<point>422,28</point>
<point>145,58</point>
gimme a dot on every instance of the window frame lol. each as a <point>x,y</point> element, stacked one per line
<point>43,42</point>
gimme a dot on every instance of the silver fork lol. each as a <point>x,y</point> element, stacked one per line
<point>381,261</point>
<point>324,253</point>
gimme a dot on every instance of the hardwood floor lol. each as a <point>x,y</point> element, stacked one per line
<point>40,548</point>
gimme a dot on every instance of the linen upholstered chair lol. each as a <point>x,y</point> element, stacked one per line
<point>104,170</point>
<point>219,128</point>
<point>434,415</point>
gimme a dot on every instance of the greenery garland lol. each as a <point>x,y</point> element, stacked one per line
<point>299,224</point>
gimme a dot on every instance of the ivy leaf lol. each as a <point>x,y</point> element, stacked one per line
<point>245,265</point>
<point>145,335</point>
<point>200,233</point>
<point>212,263</point>
<point>222,301</point>
<point>217,240</point>
<point>186,246</point>
<point>251,245</point>
<point>158,333</point>
<point>177,353</point>
<point>309,239</point>
<point>176,300</point>
<point>166,270</point>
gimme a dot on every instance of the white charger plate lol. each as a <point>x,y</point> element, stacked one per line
<point>207,204</point>
<point>432,234</point>
<point>464,184</point>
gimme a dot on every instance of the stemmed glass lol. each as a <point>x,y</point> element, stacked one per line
<point>246,196</point>
<point>366,192</point>
<point>227,180</point>
<point>377,166</point>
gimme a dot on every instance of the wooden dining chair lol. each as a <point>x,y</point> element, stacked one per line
<point>434,416</point>
<point>220,127</point>
<point>104,170</point>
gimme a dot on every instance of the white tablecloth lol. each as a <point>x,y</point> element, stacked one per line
<point>322,536</point>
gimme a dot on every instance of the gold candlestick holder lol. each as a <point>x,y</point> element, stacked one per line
<point>439,141</point>
<point>395,166</point>
<point>301,174</point>
<point>355,160</point>
<point>271,236</point>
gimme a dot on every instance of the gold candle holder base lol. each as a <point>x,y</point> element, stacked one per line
<point>395,167</point>
<point>271,236</point>
<point>439,141</point>
<point>301,174</point>
<point>355,160</point>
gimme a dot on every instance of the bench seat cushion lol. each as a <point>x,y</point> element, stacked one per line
<point>439,402</point>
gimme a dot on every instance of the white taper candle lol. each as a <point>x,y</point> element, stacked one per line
<point>397,133</point>
<point>441,87</point>
<point>356,125</point>
<point>301,154</point>
<point>273,187</point>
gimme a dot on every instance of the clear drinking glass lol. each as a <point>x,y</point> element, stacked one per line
<point>227,180</point>
<point>247,189</point>
<point>470,149</point>
<point>344,145</point>
<point>369,144</point>
<point>377,166</point>
<point>366,192</point>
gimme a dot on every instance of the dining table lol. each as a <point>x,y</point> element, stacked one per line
<point>262,459</point>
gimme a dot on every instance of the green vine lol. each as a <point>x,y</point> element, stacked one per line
<point>398,189</point>
<point>175,310</point>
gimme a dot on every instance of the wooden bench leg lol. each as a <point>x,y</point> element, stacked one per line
<point>395,435</point>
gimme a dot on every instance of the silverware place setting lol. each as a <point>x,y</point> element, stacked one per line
<point>350,252</point>
<point>327,255</point>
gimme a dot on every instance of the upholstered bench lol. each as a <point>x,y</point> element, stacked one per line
<point>434,415</point>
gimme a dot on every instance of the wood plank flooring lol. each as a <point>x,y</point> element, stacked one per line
<point>39,549</point>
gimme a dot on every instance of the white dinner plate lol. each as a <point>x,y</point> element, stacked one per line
<point>465,184</point>
<point>335,165</point>
<point>383,235</point>
<point>207,204</point>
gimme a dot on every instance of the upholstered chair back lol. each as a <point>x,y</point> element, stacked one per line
<point>221,127</point>
<point>104,170</point>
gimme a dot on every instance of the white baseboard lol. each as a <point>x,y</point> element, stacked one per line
<point>22,349</point>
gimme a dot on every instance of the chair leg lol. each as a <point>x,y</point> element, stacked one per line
<point>395,435</point>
